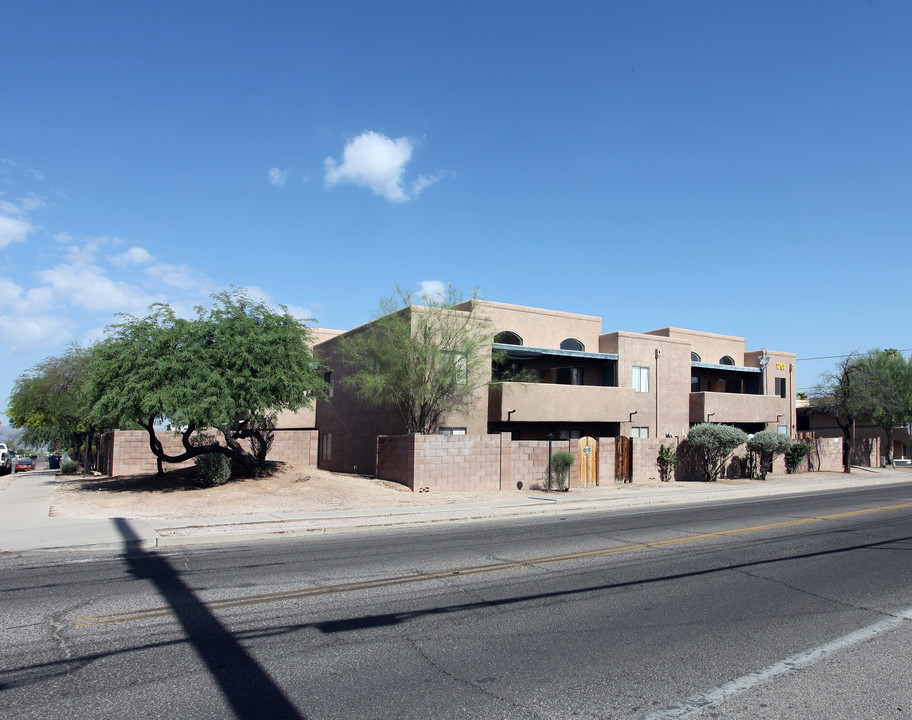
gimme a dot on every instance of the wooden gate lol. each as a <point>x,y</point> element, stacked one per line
<point>623,460</point>
<point>587,462</point>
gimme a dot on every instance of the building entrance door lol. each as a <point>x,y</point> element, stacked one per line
<point>587,462</point>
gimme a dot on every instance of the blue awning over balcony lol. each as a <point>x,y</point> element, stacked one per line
<point>524,352</point>
<point>729,368</point>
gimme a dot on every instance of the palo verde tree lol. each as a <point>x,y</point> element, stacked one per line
<point>425,361</point>
<point>885,397</point>
<point>219,376</point>
<point>715,443</point>
<point>50,403</point>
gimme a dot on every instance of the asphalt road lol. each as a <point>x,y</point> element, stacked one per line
<point>796,607</point>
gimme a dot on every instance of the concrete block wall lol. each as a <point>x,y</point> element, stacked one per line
<point>396,459</point>
<point>126,452</point>
<point>457,462</point>
<point>646,458</point>
<point>607,451</point>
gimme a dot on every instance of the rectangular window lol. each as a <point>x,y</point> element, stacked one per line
<point>568,435</point>
<point>640,378</point>
<point>733,386</point>
<point>452,431</point>
<point>609,376</point>
<point>328,379</point>
<point>326,449</point>
<point>639,432</point>
<point>780,387</point>
<point>783,430</point>
<point>694,383</point>
<point>458,362</point>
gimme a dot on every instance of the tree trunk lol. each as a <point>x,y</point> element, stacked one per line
<point>888,431</point>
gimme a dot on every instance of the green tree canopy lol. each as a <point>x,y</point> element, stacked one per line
<point>715,443</point>
<point>50,403</point>
<point>423,360</point>
<point>886,392</point>
<point>227,371</point>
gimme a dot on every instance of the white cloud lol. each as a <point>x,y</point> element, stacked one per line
<point>424,181</point>
<point>378,163</point>
<point>432,290</point>
<point>278,176</point>
<point>133,256</point>
<point>35,174</point>
<point>15,225</point>
<point>25,332</point>
<point>182,277</point>
<point>13,229</point>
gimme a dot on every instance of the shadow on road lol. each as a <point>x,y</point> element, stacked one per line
<point>246,686</point>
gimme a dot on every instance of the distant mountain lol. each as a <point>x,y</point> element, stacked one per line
<point>7,433</point>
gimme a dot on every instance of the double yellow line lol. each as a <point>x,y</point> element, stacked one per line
<point>263,598</point>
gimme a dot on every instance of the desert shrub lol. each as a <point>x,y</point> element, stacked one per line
<point>668,458</point>
<point>68,467</point>
<point>794,455</point>
<point>768,444</point>
<point>561,461</point>
<point>213,469</point>
<point>715,443</point>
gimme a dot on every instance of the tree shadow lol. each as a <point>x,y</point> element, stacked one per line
<point>180,480</point>
<point>246,686</point>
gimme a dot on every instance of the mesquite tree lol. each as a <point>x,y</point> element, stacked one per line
<point>220,376</point>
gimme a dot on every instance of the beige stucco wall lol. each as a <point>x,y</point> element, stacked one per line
<point>542,328</point>
<point>664,408</point>
<point>711,347</point>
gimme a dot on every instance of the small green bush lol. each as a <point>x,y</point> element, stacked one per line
<point>668,458</point>
<point>68,467</point>
<point>768,444</point>
<point>561,461</point>
<point>794,455</point>
<point>715,443</point>
<point>213,468</point>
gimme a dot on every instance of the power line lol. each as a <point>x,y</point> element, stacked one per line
<point>840,357</point>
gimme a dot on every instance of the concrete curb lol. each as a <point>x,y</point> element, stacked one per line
<point>25,525</point>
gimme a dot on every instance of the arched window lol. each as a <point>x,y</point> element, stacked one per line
<point>508,338</point>
<point>694,357</point>
<point>726,360</point>
<point>571,344</point>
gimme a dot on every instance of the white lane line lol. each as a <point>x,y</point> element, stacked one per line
<point>758,677</point>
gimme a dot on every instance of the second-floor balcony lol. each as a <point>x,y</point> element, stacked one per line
<point>546,402</point>
<point>722,407</point>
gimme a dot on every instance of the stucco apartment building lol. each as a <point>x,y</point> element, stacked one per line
<point>589,383</point>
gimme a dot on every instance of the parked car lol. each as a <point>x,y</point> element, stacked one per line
<point>23,464</point>
<point>6,464</point>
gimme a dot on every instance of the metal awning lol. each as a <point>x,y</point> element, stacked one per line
<point>524,352</point>
<point>729,368</point>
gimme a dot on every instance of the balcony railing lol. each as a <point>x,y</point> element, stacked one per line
<point>545,402</point>
<point>734,408</point>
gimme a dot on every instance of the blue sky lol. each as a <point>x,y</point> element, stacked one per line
<point>736,167</point>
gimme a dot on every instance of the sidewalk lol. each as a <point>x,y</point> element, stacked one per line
<point>26,525</point>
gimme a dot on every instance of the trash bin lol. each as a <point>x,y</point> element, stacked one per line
<point>54,462</point>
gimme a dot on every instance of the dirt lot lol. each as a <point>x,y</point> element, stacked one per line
<point>292,489</point>
<point>289,490</point>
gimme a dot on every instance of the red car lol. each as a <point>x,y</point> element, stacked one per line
<point>23,463</point>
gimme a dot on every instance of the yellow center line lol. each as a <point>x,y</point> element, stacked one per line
<point>262,598</point>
